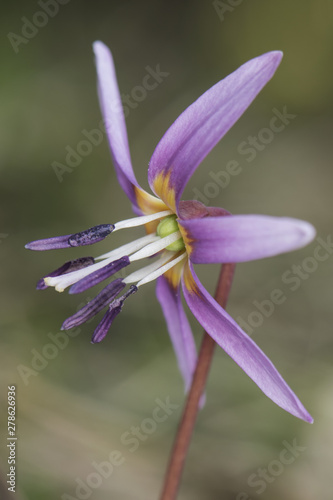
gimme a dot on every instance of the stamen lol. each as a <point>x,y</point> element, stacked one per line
<point>99,275</point>
<point>155,247</point>
<point>93,307</point>
<point>144,271</point>
<point>87,237</point>
<point>155,274</point>
<point>129,248</point>
<point>140,221</point>
<point>114,309</point>
<point>91,236</point>
<point>62,282</point>
<point>71,265</point>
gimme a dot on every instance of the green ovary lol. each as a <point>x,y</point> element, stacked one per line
<point>168,226</point>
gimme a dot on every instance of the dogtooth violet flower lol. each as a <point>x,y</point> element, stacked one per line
<point>179,233</point>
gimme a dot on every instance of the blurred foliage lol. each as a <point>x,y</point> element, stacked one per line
<point>75,410</point>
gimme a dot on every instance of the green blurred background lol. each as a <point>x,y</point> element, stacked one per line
<point>73,411</point>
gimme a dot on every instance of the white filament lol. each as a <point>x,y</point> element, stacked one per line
<point>66,280</point>
<point>155,274</point>
<point>129,248</point>
<point>62,282</point>
<point>155,247</point>
<point>144,271</point>
<point>140,221</point>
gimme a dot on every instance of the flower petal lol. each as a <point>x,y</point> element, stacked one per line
<point>193,209</point>
<point>240,347</point>
<point>114,120</point>
<point>178,327</point>
<point>198,129</point>
<point>240,238</point>
<point>115,126</point>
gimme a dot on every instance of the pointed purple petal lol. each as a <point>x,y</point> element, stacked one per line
<point>114,119</point>
<point>100,275</point>
<point>198,129</point>
<point>68,267</point>
<point>240,347</point>
<point>115,126</point>
<point>240,238</point>
<point>95,306</point>
<point>178,327</point>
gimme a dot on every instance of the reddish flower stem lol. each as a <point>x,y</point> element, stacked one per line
<point>186,426</point>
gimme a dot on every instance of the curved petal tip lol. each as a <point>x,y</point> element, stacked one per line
<point>309,419</point>
<point>98,45</point>
<point>277,55</point>
<point>273,58</point>
<point>307,232</point>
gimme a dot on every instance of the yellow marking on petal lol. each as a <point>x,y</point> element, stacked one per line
<point>189,281</point>
<point>175,273</point>
<point>149,204</point>
<point>187,238</point>
<point>164,190</point>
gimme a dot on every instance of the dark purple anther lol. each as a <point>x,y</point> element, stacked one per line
<point>104,326</point>
<point>95,306</point>
<point>90,236</point>
<point>68,267</point>
<point>114,309</point>
<point>99,275</point>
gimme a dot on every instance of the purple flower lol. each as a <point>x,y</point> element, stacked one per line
<point>182,233</point>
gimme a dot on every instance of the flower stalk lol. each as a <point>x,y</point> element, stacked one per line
<point>187,423</point>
